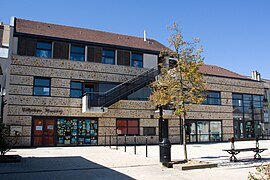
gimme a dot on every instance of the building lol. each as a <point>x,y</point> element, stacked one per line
<point>73,86</point>
<point>266,106</point>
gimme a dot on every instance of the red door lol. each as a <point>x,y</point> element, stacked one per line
<point>43,132</point>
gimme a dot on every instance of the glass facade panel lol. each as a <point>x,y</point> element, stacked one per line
<point>137,60</point>
<point>44,49</point>
<point>142,94</point>
<point>108,56</point>
<point>252,115</point>
<point>77,53</point>
<point>203,131</point>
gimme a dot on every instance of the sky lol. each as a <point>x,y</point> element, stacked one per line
<point>235,34</point>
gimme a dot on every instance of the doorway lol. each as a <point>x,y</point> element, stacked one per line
<point>43,132</point>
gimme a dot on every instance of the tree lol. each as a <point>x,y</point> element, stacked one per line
<point>6,142</point>
<point>182,85</point>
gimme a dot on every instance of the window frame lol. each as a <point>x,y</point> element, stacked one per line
<point>38,86</point>
<point>136,60</point>
<point>127,127</point>
<point>76,89</point>
<point>44,49</point>
<point>208,99</point>
<point>107,56</point>
<point>76,53</point>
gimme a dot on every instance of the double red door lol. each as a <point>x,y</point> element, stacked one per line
<point>43,132</point>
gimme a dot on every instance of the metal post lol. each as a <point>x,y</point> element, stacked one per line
<point>105,140</point>
<point>110,140</point>
<point>134,144</point>
<point>146,148</point>
<point>125,143</point>
<point>116,141</point>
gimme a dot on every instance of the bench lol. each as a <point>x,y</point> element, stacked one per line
<point>234,151</point>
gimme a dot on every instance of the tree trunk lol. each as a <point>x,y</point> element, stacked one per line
<point>184,138</point>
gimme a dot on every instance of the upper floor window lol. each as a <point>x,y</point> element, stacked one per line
<point>77,53</point>
<point>136,60</point>
<point>76,89</point>
<point>44,49</point>
<point>108,56</point>
<point>42,86</point>
<point>212,98</point>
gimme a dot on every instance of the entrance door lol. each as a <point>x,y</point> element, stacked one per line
<point>43,132</point>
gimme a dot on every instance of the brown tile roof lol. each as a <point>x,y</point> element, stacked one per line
<point>74,33</point>
<point>218,71</point>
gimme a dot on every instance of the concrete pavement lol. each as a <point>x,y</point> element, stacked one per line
<point>108,163</point>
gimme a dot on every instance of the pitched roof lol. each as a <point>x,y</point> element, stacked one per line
<point>82,34</point>
<point>218,71</point>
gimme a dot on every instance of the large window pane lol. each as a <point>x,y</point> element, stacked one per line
<point>77,53</point>
<point>212,98</point>
<point>44,49</point>
<point>127,126</point>
<point>42,86</point>
<point>76,89</point>
<point>108,56</point>
<point>137,60</point>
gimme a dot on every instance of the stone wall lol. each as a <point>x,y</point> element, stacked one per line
<point>23,106</point>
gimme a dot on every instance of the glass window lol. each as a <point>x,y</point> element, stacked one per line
<point>76,89</point>
<point>137,60</point>
<point>215,131</point>
<point>212,98</point>
<point>127,126</point>
<point>266,116</point>
<point>203,131</point>
<point>42,86</point>
<point>77,53</point>
<point>108,56</point>
<point>149,131</point>
<point>142,94</point>
<point>44,49</point>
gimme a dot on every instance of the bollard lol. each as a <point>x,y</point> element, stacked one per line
<point>125,143</point>
<point>116,141</point>
<point>105,140</point>
<point>134,144</point>
<point>110,140</point>
<point>146,148</point>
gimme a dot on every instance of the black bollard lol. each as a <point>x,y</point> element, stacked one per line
<point>146,148</point>
<point>125,143</point>
<point>134,144</point>
<point>105,139</point>
<point>116,141</point>
<point>110,140</point>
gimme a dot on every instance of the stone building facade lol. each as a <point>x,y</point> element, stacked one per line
<point>54,67</point>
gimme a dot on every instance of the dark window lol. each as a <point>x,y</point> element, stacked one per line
<point>94,54</point>
<point>149,131</point>
<point>44,49</point>
<point>77,53</point>
<point>127,126</point>
<point>137,60</point>
<point>60,50</point>
<point>42,86</point>
<point>212,98</point>
<point>108,56</point>
<point>123,58</point>
<point>76,89</point>
<point>26,46</point>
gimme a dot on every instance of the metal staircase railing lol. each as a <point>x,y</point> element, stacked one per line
<point>121,91</point>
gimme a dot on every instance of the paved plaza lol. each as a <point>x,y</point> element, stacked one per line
<point>101,162</point>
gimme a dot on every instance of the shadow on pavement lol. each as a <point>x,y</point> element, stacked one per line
<point>74,167</point>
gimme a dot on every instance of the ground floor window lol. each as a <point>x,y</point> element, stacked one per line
<point>127,126</point>
<point>64,131</point>
<point>203,131</point>
<point>77,131</point>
